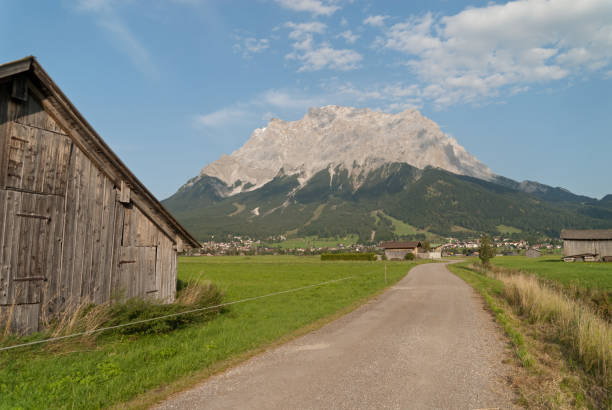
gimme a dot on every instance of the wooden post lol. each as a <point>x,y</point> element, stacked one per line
<point>385,273</point>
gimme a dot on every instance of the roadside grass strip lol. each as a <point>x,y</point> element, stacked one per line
<point>141,368</point>
<point>523,304</point>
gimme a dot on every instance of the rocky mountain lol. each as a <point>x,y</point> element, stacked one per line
<point>358,140</point>
<point>342,170</point>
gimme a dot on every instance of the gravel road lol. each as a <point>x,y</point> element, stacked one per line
<point>426,343</point>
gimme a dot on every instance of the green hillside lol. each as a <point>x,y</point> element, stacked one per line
<point>393,201</point>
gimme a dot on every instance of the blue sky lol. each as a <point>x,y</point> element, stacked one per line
<point>526,86</point>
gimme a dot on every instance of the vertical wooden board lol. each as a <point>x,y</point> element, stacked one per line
<point>85,241</point>
<point>24,245</point>
<point>150,273</point>
<point>171,294</point>
<point>11,238</point>
<point>69,235</point>
<point>96,234</point>
<point>4,264</point>
<point>40,159</point>
<point>126,268</point>
<point>74,281</point>
<point>105,257</point>
<point>54,250</point>
<point>126,237</point>
<point>61,169</point>
<point>52,145</point>
<point>30,159</point>
<point>115,278</point>
<point>18,144</point>
<point>4,133</point>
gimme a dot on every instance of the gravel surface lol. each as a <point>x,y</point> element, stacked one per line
<point>426,343</point>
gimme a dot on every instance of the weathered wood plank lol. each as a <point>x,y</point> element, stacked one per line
<point>72,244</point>
<point>11,237</point>
<point>4,264</point>
<point>115,279</point>
<point>25,318</point>
<point>4,134</point>
<point>97,214</point>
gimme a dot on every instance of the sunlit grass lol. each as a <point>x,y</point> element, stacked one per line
<point>118,368</point>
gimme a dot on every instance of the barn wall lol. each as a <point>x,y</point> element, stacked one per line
<point>575,247</point>
<point>64,236</point>
<point>391,254</point>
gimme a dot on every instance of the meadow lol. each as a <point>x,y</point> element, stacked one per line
<point>587,275</point>
<point>140,369</point>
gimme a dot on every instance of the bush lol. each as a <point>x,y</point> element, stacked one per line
<point>409,256</point>
<point>348,257</point>
<point>193,295</point>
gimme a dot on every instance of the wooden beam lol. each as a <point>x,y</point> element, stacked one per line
<point>15,67</point>
<point>124,193</point>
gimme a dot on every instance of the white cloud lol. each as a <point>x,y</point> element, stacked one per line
<point>349,36</point>
<point>325,56</point>
<point>314,56</point>
<point>283,99</point>
<point>247,46</point>
<point>343,22</point>
<point>376,21</point>
<point>263,106</point>
<point>221,117</point>
<point>482,52</point>
<point>316,7</point>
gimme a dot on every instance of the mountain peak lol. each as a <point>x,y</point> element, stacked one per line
<point>355,139</point>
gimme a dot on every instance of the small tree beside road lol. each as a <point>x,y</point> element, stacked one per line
<point>486,251</point>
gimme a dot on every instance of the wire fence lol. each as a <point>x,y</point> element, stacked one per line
<point>103,329</point>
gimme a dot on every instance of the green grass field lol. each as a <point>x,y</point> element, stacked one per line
<point>117,369</point>
<point>587,275</point>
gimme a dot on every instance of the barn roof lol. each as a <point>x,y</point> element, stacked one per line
<point>82,133</point>
<point>400,245</point>
<point>587,234</point>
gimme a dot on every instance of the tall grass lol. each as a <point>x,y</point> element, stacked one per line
<point>86,317</point>
<point>586,335</point>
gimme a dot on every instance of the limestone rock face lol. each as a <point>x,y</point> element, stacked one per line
<point>358,140</point>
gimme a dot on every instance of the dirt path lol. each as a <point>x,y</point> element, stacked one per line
<point>426,343</point>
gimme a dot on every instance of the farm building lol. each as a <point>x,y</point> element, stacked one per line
<point>587,245</point>
<point>533,253</point>
<point>398,250</point>
<point>76,226</point>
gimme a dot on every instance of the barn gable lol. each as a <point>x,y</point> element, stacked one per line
<point>75,224</point>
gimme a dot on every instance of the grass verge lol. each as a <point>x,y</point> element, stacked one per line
<point>563,347</point>
<point>140,368</point>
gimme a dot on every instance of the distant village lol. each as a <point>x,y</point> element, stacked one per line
<point>242,245</point>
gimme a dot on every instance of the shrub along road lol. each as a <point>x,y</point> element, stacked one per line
<point>425,343</point>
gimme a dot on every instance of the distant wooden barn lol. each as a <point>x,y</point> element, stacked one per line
<point>398,250</point>
<point>587,245</point>
<point>75,224</point>
<point>533,253</point>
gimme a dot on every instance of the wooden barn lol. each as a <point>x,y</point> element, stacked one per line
<point>587,245</point>
<point>76,225</point>
<point>398,250</point>
<point>533,253</point>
